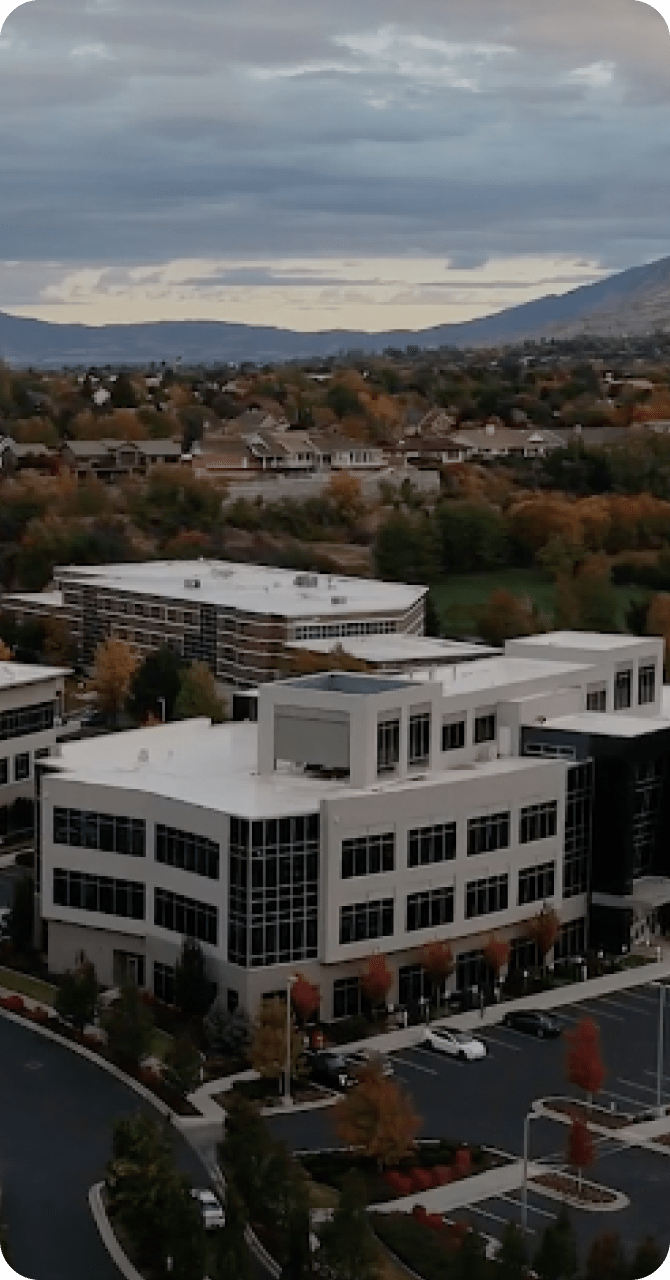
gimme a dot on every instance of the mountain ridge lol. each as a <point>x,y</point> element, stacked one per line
<point>634,301</point>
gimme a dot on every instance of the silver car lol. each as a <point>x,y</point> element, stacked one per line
<point>459,1044</point>
<point>211,1211</point>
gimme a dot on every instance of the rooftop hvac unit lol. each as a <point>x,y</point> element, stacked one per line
<point>306,580</point>
<point>191,582</point>
<point>338,599</point>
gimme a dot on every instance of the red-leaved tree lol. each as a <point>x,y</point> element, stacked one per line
<point>376,980</point>
<point>496,954</point>
<point>581,1149</point>
<point>584,1066</point>
<point>543,930</point>
<point>305,997</point>
<point>437,960</point>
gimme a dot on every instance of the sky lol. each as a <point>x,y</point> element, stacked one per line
<point>319,164</point>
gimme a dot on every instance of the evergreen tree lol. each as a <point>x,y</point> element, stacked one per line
<point>198,696</point>
<point>512,1257</point>
<point>77,995</point>
<point>298,1264</point>
<point>128,1025</point>
<point>346,1248</point>
<point>193,991</point>
<point>231,1258</point>
<point>156,682</point>
<point>556,1258</point>
<point>183,1065</point>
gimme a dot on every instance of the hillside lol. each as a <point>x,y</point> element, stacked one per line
<point>631,302</point>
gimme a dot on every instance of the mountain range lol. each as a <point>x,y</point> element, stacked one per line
<point>630,302</point>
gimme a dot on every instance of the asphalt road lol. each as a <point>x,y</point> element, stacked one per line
<point>57,1111</point>
<point>485,1102</point>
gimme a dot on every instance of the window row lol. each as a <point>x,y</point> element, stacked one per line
<point>108,832</point>
<point>429,909</point>
<point>488,833</point>
<point>367,855</point>
<point>301,829</point>
<point>187,851</point>
<point>20,770</point>
<point>538,821</point>
<point>186,916</point>
<point>434,843</point>
<point>98,893</point>
<point>324,631</point>
<point>24,720</point>
<point>537,883</point>
<point>483,897</point>
<point>363,920</point>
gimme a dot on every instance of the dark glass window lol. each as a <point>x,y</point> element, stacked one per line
<point>430,909</point>
<point>488,833</point>
<point>538,821</point>
<point>453,735</point>
<point>435,843</point>
<point>368,855</point>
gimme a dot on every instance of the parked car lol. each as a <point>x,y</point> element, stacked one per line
<point>4,922</point>
<point>534,1022</point>
<point>211,1209</point>
<point>460,1044</point>
<point>331,1069</point>
<point>357,1058</point>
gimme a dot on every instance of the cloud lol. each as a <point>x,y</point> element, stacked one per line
<point>140,133</point>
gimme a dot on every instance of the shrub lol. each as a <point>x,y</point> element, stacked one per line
<point>15,1004</point>
<point>462,1163</point>
<point>421,1179</point>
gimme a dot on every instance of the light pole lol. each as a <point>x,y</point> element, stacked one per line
<point>532,1115</point>
<point>287,1070</point>
<point>659,1048</point>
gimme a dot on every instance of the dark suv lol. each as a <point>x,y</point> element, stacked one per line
<point>534,1022</point>
<point>331,1069</point>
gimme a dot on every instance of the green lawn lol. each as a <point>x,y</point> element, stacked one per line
<point>460,598</point>
<point>27,986</point>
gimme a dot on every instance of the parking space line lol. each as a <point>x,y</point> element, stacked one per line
<point>486,1213</point>
<point>416,1066</point>
<point>623,1097</point>
<point>648,998</point>
<point>597,1012</point>
<point>503,1043</point>
<point>531,1207</point>
<point>629,1008</point>
<point>649,1072</point>
<point>632,1084</point>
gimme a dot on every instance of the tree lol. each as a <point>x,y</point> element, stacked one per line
<point>376,980</point>
<point>298,1264</point>
<point>586,599</point>
<point>346,495</point>
<point>346,1249</point>
<point>197,695</point>
<point>227,1032</point>
<point>646,1260</point>
<point>580,1150</point>
<point>77,995</point>
<point>5,652</point>
<point>512,1257</point>
<point>378,1117</point>
<point>437,960</point>
<point>21,922</point>
<point>658,623</point>
<point>305,998</point>
<point>193,991</point>
<point>128,1025</point>
<point>113,670</point>
<point>584,1065</point>
<point>606,1259</point>
<point>231,1256</point>
<point>246,1153</point>
<point>156,682</point>
<point>183,1065</point>
<point>556,1258</point>
<point>505,615</point>
<point>543,929</point>
<point>496,955</point>
<point>268,1047</point>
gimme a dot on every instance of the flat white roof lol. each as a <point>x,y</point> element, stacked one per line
<point>498,675</point>
<point>250,587</point>
<point>13,674</point>
<point>599,641</point>
<point>212,766</point>
<point>608,724</point>
<point>399,647</point>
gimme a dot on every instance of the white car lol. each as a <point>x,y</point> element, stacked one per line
<point>210,1208</point>
<point>460,1044</point>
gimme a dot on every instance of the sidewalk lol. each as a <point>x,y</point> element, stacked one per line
<point>556,998</point>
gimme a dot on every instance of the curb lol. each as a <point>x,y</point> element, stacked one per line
<point>619,1201</point>
<point>107,1235</point>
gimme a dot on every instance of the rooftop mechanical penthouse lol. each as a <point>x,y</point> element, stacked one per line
<point>365,814</point>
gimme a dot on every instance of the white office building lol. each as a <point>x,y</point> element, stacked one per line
<point>31,713</point>
<point>367,814</point>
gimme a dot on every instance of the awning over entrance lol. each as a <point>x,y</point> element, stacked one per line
<point>649,893</point>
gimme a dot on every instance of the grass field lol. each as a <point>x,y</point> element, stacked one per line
<point>460,598</point>
<point>24,985</point>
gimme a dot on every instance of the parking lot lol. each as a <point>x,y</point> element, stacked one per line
<point>486,1101</point>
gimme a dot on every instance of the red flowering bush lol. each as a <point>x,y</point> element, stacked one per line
<point>462,1163</point>
<point>15,1004</point>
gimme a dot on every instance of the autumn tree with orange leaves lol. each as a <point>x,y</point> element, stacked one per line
<point>581,1148</point>
<point>584,1064</point>
<point>376,980</point>
<point>305,998</point>
<point>496,955</point>
<point>437,960</point>
<point>543,930</point>
<point>377,1117</point>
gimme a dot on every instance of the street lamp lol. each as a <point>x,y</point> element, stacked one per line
<point>659,1046</point>
<point>532,1115</point>
<point>292,977</point>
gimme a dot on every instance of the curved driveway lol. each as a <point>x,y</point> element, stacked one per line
<point>57,1110</point>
